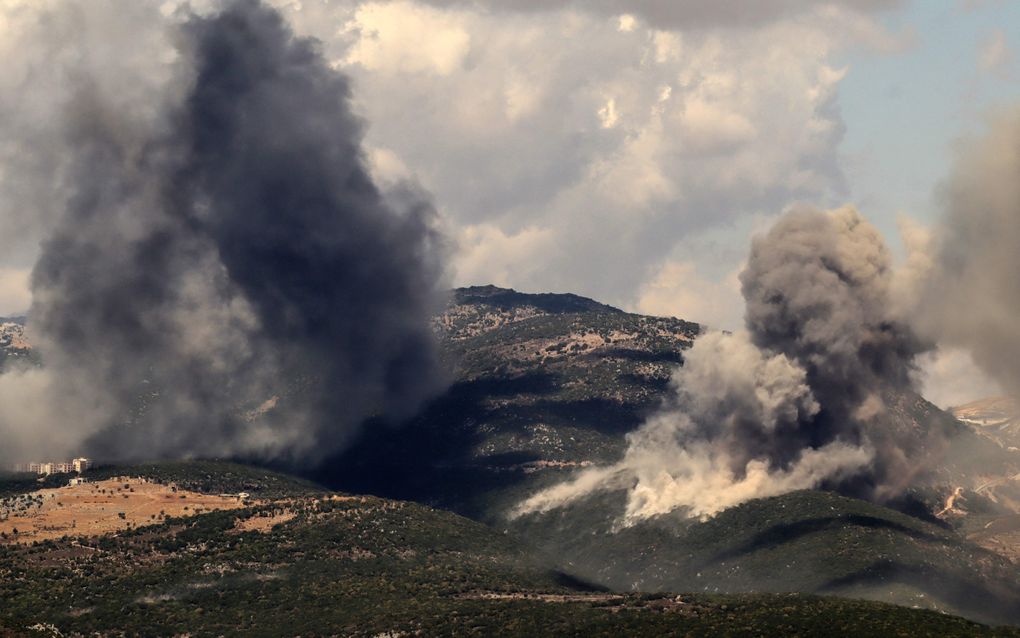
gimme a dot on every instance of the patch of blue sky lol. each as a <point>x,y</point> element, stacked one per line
<point>905,111</point>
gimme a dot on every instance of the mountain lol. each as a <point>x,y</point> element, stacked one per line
<point>548,384</point>
<point>296,559</point>
<point>541,383</point>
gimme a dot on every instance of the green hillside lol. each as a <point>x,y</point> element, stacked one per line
<point>327,564</point>
<point>545,387</point>
<point>808,541</point>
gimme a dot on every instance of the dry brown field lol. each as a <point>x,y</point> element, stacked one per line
<point>104,507</point>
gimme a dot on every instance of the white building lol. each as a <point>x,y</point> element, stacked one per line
<point>78,465</point>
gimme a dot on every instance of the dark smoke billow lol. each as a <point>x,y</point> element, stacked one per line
<point>229,280</point>
<point>794,401</point>
<point>818,289</point>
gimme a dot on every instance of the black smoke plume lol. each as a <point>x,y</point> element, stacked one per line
<point>796,400</point>
<point>226,278</point>
<point>817,289</point>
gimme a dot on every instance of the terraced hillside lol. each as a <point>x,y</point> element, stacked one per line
<point>310,562</point>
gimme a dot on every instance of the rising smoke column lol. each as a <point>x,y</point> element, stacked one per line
<point>789,402</point>
<point>231,251</point>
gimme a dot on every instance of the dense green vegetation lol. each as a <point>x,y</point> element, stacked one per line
<point>214,477</point>
<point>208,477</point>
<point>367,566</point>
<point>806,541</point>
<point>22,482</point>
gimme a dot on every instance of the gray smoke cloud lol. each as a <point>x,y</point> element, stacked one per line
<point>225,278</point>
<point>670,14</point>
<point>968,293</point>
<point>793,401</point>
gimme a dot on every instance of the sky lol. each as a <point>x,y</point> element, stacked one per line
<point>627,151</point>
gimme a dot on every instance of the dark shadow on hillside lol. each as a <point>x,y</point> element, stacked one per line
<point>790,532</point>
<point>577,584</point>
<point>530,383</point>
<point>599,415</point>
<point>657,386</point>
<point>969,596</point>
<point>477,439</point>
<point>434,458</point>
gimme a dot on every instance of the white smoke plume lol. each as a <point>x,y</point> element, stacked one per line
<point>784,404</point>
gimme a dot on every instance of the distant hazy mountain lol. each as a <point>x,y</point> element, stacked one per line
<point>997,418</point>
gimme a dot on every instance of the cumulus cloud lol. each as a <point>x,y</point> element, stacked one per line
<point>402,37</point>
<point>615,132</point>
<point>490,256</point>
<point>677,289</point>
<point>690,13</point>
<point>615,137</point>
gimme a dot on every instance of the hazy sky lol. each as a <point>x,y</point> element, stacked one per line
<point>622,150</point>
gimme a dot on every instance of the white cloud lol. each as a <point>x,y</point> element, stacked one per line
<point>677,289</point>
<point>490,256</point>
<point>614,143</point>
<point>402,37</point>
<point>686,13</point>
<point>606,134</point>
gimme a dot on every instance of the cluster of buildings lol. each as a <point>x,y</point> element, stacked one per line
<point>78,465</point>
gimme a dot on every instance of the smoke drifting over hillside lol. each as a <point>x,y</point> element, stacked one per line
<point>969,292</point>
<point>225,275</point>
<point>785,404</point>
